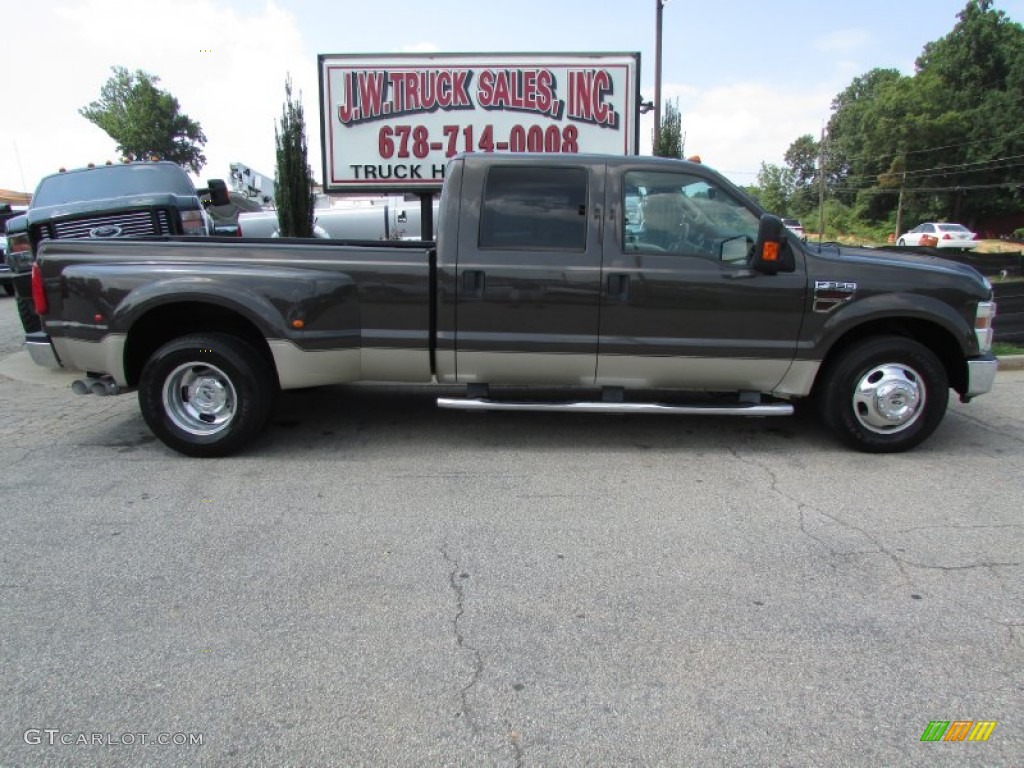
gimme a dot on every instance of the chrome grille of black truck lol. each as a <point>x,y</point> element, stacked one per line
<point>116,225</point>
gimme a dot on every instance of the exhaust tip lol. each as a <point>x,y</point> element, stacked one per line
<point>81,387</point>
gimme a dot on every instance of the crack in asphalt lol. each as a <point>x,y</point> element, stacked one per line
<point>1014,436</point>
<point>454,576</point>
<point>969,567</point>
<point>901,563</point>
<point>803,507</point>
<point>516,744</point>
<point>980,527</point>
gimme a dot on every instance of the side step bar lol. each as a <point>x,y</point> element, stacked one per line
<point>739,409</point>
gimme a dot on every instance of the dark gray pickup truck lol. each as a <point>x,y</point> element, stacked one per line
<point>644,285</point>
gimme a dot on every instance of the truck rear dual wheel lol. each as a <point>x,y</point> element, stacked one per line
<point>884,394</point>
<point>207,394</point>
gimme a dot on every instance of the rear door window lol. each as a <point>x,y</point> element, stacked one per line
<point>534,208</point>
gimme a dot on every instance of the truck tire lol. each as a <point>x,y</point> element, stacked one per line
<point>207,394</point>
<point>9,289</point>
<point>884,394</point>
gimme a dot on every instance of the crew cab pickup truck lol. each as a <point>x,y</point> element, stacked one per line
<point>643,285</point>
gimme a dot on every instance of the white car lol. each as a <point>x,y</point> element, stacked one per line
<point>794,226</point>
<point>940,235</point>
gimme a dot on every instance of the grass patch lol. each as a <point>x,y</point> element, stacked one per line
<point>1001,349</point>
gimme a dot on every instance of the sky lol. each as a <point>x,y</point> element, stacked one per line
<point>750,76</point>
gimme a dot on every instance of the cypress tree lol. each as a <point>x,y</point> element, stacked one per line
<point>669,142</point>
<point>293,193</point>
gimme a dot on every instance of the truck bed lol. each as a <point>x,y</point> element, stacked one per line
<point>330,311</point>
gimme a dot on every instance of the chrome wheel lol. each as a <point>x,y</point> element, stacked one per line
<point>889,398</point>
<point>207,394</point>
<point>199,398</point>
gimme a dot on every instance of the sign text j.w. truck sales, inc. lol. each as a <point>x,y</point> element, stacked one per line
<point>393,121</point>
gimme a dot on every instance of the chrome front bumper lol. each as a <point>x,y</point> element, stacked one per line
<point>981,375</point>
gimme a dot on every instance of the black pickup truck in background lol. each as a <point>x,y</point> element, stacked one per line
<point>7,212</point>
<point>101,202</point>
<point>638,284</point>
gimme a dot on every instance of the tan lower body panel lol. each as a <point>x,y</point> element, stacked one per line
<point>298,368</point>
<point>779,377</point>
<point>106,356</point>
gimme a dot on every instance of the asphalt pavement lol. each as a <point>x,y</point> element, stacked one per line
<point>379,582</point>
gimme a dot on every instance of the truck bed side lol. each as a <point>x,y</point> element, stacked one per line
<point>325,312</point>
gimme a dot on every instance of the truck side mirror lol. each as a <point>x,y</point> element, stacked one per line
<point>218,192</point>
<point>772,253</point>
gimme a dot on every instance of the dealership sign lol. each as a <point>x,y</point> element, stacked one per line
<point>394,121</point>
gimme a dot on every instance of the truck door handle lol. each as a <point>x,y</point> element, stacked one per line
<point>473,283</point>
<point>618,287</point>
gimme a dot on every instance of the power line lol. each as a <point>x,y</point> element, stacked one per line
<point>997,164</point>
<point>879,158</point>
<point>948,188</point>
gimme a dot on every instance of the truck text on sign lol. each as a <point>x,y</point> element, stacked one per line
<point>395,120</point>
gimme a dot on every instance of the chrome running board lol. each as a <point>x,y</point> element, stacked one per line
<point>739,409</point>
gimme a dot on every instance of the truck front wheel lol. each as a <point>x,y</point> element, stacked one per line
<point>884,394</point>
<point>207,394</point>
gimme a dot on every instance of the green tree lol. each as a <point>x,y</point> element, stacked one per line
<point>862,138</point>
<point>802,160</point>
<point>980,68</point>
<point>947,137</point>
<point>775,188</point>
<point>294,178</point>
<point>669,141</point>
<point>145,121</point>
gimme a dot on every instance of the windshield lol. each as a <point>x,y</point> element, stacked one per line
<point>953,228</point>
<point>112,181</point>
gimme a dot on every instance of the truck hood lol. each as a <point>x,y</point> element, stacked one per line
<point>113,204</point>
<point>903,260</point>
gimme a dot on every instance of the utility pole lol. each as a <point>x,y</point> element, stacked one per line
<point>658,6</point>
<point>821,186</point>
<point>899,205</point>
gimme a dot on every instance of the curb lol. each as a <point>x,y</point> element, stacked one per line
<point>1011,363</point>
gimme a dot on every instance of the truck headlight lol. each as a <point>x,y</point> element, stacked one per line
<point>193,223</point>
